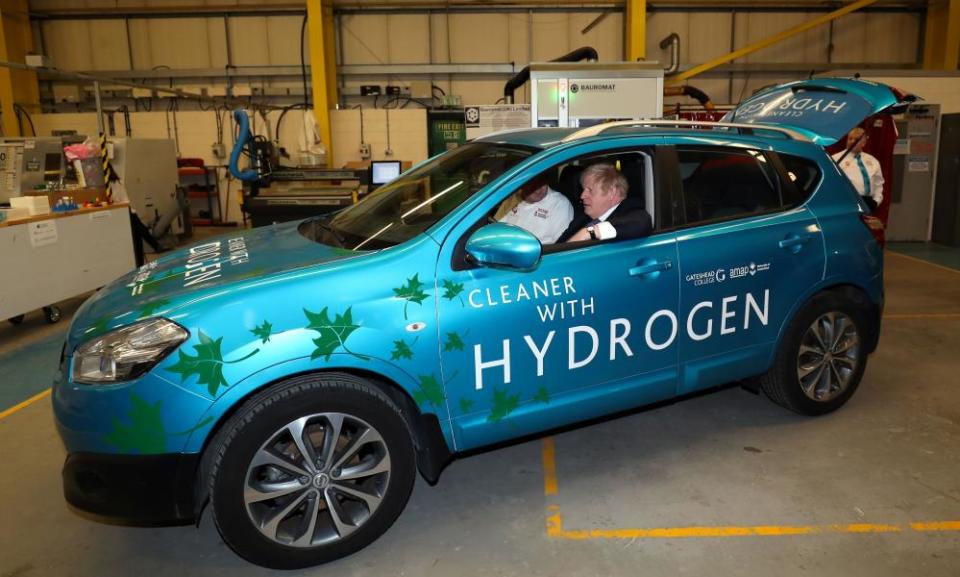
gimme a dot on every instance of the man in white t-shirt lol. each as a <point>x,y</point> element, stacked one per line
<point>541,210</point>
<point>862,169</point>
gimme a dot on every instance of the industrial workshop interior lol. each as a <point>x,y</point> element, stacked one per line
<point>479,287</point>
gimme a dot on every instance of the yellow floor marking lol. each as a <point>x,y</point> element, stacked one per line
<point>554,520</point>
<point>549,468</point>
<point>920,260</point>
<point>25,404</point>
<point>936,526</point>
<point>908,316</point>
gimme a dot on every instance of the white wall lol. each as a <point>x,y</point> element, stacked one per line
<point>197,131</point>
<point>942,90</point>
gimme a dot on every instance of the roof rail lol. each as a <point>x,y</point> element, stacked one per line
<point>740,127</point>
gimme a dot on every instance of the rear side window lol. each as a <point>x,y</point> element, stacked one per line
<point>724,183</point>
<point>805,175</point>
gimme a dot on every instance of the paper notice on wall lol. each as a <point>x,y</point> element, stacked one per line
<point>918,164</point>
<point>42,233</point>
<point>902,146</point>
<point>100,215</point>
<point>483,120</point>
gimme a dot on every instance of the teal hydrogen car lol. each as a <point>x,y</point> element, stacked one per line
<point>295,378</point>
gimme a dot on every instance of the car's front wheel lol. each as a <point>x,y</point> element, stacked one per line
<point>821,358</point>
<point>311,470</point>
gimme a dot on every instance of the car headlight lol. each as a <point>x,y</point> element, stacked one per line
<point>126,353</point>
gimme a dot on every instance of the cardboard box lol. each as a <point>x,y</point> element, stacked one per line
<point>13,214</point>
<point>34,204</point>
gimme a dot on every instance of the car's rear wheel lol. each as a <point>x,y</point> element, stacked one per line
<point>821,358</point>
<point>310,471</point>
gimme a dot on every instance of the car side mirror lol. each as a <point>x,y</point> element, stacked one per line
<point>504,245</point>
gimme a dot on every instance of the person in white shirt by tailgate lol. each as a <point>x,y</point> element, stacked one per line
<point>862,169</point>
<point>542,211</point>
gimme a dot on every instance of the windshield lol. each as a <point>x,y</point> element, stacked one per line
<point>409,205</point>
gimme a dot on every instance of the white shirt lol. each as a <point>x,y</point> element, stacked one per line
<point>605,230</point>
<point>546,219</point>
<point>851,168</point>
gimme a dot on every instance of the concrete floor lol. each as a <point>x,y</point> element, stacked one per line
<point>728,459</point>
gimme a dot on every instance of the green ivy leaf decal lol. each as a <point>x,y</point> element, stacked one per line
<point>452,290</point>
<point>401,350</point>
<point>253,272</point>
<point>465,405</point>
<point>429,392</point>
<point>543,395</point>
<point>150,308</point>
<point>207,364</point>
<point>145,434</point>
<point>453,342</point>
<point>503,404</point>
<point>412,291</point>
<point>333,333</point>
<point>154,284</point>
<point>263,331</point>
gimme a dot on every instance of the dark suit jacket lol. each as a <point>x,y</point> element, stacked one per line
<point>629,218</point>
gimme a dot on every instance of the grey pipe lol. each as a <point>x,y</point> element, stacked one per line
<point>672,41</point>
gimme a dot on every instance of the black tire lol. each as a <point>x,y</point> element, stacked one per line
<point>52,314</point>
<point>16,320</point>
<point>258,421</point>
<point>781,383</point>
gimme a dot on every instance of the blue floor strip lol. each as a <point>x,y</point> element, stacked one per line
<point>948,256</point>
<point>26,371</point>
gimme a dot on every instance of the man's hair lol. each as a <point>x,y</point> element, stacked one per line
<point>606,177</point>
<point>536,182</point>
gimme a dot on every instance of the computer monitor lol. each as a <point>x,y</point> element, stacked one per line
<point>383,171</point>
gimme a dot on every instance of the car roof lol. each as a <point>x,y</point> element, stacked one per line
<point>677,131</point>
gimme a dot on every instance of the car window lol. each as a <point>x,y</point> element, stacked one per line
<point>805,175</point>
<point>724,183</point>
<point>416,200</point>
<point>565,185</point>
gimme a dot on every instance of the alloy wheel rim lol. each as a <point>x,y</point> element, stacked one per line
<point>317,480</point>
<point>828,357</point>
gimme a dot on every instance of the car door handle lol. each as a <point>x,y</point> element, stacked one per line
<point>795,242</point>
<point>651,267</point>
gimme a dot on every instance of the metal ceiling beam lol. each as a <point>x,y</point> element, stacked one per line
<point>373,7</point>
<point>769,41</point>
<point>941,48</point>
<point>106,81</point>
<point>635,32</point>
<point>320,77</point>
<point>17,87</point>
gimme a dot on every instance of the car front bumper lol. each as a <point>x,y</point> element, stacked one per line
<point>132,489</point>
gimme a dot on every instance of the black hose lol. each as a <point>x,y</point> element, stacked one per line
<point>21,110</point>
<point>521,78</point>
<point>698,95</point>
<point>303,66</point>
<point>284,112</point>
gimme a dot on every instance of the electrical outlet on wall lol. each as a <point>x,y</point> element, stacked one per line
<point>388,152</point>
<point>364,151</point>
<point>219,150</point>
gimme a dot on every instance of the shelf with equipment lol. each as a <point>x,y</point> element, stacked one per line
<point>201,187</point>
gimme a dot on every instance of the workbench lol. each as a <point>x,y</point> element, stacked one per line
<point>48,258</point>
